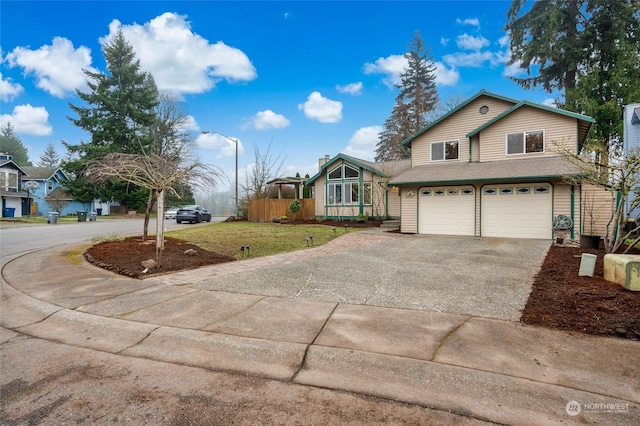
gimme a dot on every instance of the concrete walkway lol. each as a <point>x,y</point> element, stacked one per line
<point>231,318</point>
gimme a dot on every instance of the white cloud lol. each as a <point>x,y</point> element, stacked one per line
<point>363,143</point>
<point>471,60</point>
<point>179,60</point>
<point>446,76</point>
<point>391,66</point>
<point>9,90</point>
<point>268,119</point>
<point>28,120</point>
<point>469,42</point>
<point>56,67</point>
<point>475,22</point>
<point>505,41</point>
<point>444,41</point>
<point>190,124</point>
<point>550,102</point>
<point>351,88</point>
<point>226,147</point>
<point>317,107</point>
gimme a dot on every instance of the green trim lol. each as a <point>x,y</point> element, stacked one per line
<point>456,109</point>
<point>361,191</point>
<point>472,181</point>
<point>533,105</point>
<point>572,234</point>
<point>345,159</point>
<point>470,155</point>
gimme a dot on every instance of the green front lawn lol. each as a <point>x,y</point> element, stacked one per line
<point>264,238</point>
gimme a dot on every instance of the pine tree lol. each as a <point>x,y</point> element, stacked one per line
<point>589,50</point>
<point>49,157</point>
<point>418,97</point>
<point>118,111</point>
<point>12,145</point>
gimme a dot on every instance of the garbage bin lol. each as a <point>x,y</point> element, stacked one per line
<point>93,216</point>
<point>82,216</point>
<point>99,211</point>
<point>9,212</point>
<point>52,217</point>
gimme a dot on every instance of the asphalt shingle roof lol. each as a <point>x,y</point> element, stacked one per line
<point>512,170</point>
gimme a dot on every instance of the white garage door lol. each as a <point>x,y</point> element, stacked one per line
<point>516,211</point>
<point>447,210</point>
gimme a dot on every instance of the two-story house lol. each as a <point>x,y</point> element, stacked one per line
<point>49,195</point>
<point>14,201</point>
<point>491,167</point>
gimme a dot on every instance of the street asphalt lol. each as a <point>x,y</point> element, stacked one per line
<point>425,320</point>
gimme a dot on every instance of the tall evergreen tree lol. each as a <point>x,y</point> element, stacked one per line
<point>12,145</point>
<point>117,111</point>
<point>418,97</point>
<point>589,50</point>
<point>49,157</point>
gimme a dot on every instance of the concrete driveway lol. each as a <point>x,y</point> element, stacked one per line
<point>486,277</point>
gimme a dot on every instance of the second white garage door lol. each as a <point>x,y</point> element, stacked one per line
<point>516,211</point>
<point>447,210</point>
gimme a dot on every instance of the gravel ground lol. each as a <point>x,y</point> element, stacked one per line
<point>487,277</point>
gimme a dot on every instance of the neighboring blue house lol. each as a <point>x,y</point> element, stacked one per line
<point>631,136</point>
<point>49,195</point>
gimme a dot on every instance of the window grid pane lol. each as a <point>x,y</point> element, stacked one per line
<point>437,151</point>
<point>515,143</point>
<point>452,150</point>
<point>535,141</point>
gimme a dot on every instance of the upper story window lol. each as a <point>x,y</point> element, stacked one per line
<point>49,185</point>
<point>441,151</point>
<point>343,171</point>
<point>8,180</point>
<point>525,142</point>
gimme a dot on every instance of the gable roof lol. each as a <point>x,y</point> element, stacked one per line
<point>383,169</point>
<point>584,121</point>
<point>12,164</point>
<point>43,173</point>
<point>456,109</point>
<point>583,126</point>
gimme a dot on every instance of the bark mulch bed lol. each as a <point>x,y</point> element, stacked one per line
<point>560,299</point>
<point>563,300</point>
<point>125,257</point>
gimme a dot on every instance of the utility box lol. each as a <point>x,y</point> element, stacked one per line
<point>623,269</point>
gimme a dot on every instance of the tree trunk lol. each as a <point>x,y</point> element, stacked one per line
<point>147,214</point>
<point>160,228</point>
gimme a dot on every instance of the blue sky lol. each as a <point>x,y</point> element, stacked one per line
<point>305,78</point>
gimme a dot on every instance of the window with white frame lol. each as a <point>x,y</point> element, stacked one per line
<point>525,142</point>
<point>441,151</point>
<point>49,185</point>
<point>8,180</point>
<point>344,187</point>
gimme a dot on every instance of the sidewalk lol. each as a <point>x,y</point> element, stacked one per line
<point>487,369</point>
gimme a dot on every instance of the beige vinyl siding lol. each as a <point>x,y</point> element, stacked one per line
<point>456,127</point>
<point>409,200</point>
<point>320,193</point>
<point>393,202</point>
<point>562,206</point>
<point>558,129</point>
<point>602,202</point>
<point>475,149</point>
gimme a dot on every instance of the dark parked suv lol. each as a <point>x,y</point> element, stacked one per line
<point>193,214</point>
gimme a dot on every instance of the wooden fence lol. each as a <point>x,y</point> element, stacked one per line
<point>265,210</point>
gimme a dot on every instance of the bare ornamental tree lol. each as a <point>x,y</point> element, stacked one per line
<point>158,174</point>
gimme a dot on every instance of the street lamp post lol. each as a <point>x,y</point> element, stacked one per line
<point>236,184</point>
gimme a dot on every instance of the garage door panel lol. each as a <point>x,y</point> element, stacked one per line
<point>522,211</point>
<point>447,211</point>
